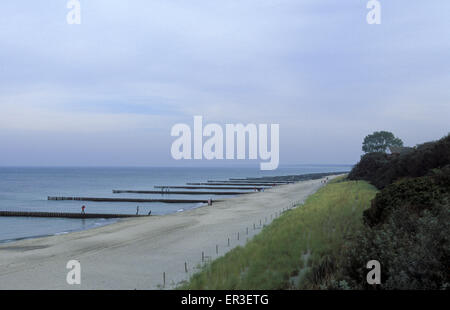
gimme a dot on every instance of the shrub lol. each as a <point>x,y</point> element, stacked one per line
<point>409,195</point>
<point>381,169</point>
<point>413,250</point>
<point>408,232</point>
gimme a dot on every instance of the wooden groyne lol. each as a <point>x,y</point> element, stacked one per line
<point>213,187</point>
<point>162,192</point>
<point>66,215</point>
<point>130,200</point>
<point>294,178</point>
<point>235,184</point>
<point>244,181</point>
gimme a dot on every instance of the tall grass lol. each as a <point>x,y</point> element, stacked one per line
<point>300,249</point>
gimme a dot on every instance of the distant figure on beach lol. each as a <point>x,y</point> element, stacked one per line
<point>82,209</point>
<point>209,202</point>
<point>137,210</point>
<point>150,213</point>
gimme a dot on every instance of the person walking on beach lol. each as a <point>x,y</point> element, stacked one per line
<point>82,209</point>
<point>137,210</point>
<point>209,202</point>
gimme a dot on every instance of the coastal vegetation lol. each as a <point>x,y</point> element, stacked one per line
<point>393,208</point>
<point>380,141</point>
<point>299,249</point>
<point>382,169</point>
<point>407,227</point>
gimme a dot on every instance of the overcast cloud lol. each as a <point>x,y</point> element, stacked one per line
<point>108,91</point>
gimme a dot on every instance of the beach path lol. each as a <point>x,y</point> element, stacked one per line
<point>140,253</point>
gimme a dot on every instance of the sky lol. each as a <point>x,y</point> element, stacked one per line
<point>108,91</point>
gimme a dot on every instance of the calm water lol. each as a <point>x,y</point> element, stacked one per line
<point>26,189</point>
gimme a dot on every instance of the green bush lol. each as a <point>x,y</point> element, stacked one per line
<point>381,169</point>
<point>413,250</point>
<point>410,195</point>
<point>408,232</point>
<point>407,227</point>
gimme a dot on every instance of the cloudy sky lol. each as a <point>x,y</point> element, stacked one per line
<point>108,91</point>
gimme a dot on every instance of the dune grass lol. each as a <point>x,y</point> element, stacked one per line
<point>299,249</point>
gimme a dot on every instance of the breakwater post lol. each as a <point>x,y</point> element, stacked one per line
<point>66,215</point>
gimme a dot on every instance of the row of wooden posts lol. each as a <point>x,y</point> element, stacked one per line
<point>211,185</point>
<point>166,189</point>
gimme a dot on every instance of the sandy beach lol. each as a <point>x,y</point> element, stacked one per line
<point>134,253</point>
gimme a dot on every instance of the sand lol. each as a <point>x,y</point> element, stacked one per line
<point>134,253</point>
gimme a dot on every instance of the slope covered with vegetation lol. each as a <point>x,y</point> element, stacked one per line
<point>407,227</point>
<point>327,242</point>
<point>382,169</point>
<point>300,249</point>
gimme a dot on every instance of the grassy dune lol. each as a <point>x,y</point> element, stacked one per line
<point>299,249</point>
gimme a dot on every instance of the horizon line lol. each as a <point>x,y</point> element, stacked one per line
<point>164,166</point>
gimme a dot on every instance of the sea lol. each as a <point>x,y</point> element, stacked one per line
<point>27,189</point>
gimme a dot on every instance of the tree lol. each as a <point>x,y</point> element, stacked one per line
<point>379,141</point>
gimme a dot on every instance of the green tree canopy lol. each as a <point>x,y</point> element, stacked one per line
<point>379,141</point>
